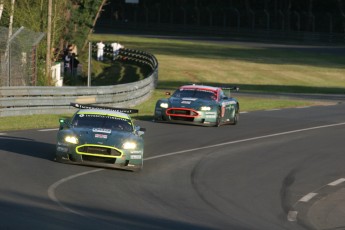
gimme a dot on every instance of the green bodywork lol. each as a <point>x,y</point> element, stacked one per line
<point>198,105</point>
<point>100,138</point>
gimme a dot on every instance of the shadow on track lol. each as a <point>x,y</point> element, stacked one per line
<point>27,146</point>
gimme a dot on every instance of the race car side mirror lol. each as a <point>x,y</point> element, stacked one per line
<point>140,131</point>
<point>64,122</point>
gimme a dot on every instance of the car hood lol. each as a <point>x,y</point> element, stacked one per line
<point>101,136</point>
<point>190,102</point>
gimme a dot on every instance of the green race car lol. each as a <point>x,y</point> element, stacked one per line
<point>199,105</point>
<point>101,136</point>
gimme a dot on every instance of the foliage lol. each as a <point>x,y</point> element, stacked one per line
<point>71,22</point>
<point>82,16</point>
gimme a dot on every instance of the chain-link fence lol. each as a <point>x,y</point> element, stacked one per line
<point>18,57</point>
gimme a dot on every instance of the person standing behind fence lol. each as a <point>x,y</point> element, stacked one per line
<point>116,49</point>
<point>67,60</point>
<point>100,51</point>
<point>74,62</point>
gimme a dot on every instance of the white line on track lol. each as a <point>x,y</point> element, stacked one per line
<point>47,130</point>
<point>337,182</point>
<point>308,197</point>
<point>2,134</point>
<point>243,140</point>
<point>269,110</point>
<point>53,187</point>
<point>303,107</point>
<point>292,214</point>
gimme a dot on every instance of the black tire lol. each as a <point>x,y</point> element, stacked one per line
<point>219,118</point>
<point>236,116</point>
<point>235,120</point>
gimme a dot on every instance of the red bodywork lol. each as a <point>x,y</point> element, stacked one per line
<point>182,112</point>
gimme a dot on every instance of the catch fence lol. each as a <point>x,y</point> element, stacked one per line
<point>18,57</point>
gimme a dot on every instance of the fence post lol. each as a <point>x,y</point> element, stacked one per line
<point>9,53</point>
<point>89,67</point>
<point>9,64</point>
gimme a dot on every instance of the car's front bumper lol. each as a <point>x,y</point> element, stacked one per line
<point>204,118</point>
<point>128,160</point>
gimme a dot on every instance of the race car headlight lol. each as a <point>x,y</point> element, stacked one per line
<point>129,145</point>
<point>205,108</point>
<point>164,105</point>
<point>71,139</point>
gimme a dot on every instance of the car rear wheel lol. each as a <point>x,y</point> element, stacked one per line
<point>219,118</point>
<point>235,120</point>
<point>236,116</point>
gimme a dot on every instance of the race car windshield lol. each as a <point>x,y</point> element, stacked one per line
<point>102,121</point>
<point>195,93</point>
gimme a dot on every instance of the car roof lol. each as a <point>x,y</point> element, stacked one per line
<point>200,87</point>
<point>104,112</point>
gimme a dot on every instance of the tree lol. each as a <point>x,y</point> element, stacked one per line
<point>7,52</point>
<point>95,20</point>
<point>1,8</point>
<point>68,22</point>
<point>82,20</point>
<point>49,35</point>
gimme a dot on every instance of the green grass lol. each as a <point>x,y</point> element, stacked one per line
<point>181,62</point>
<point>30,122</point>
<point>253,69</point>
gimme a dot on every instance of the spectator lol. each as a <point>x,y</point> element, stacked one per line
<point>73,49</point>
<point>74,62</point>
<point>67,60</point>
<point>116,48</point>
<point>100,51</point>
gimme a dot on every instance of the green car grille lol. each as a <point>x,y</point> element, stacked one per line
<point>98,150</point>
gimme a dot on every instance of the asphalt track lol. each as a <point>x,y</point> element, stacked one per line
<point>274,170</point>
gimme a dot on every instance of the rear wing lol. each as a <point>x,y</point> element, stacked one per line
<point>228,89</point>
<point>231,88</point>
<point>90,106</point>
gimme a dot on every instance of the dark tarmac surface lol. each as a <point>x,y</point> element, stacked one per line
<point>328,212</point>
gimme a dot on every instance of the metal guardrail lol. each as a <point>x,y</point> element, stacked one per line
<point>26,100</point>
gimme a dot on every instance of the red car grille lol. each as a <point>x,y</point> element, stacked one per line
<point>182,112</point>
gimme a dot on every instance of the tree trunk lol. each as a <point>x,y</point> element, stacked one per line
<point>11,19</point>
<point>1,8</point>
<point>8,51</point>
<point>49,34</point>
<point>94,21</point>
